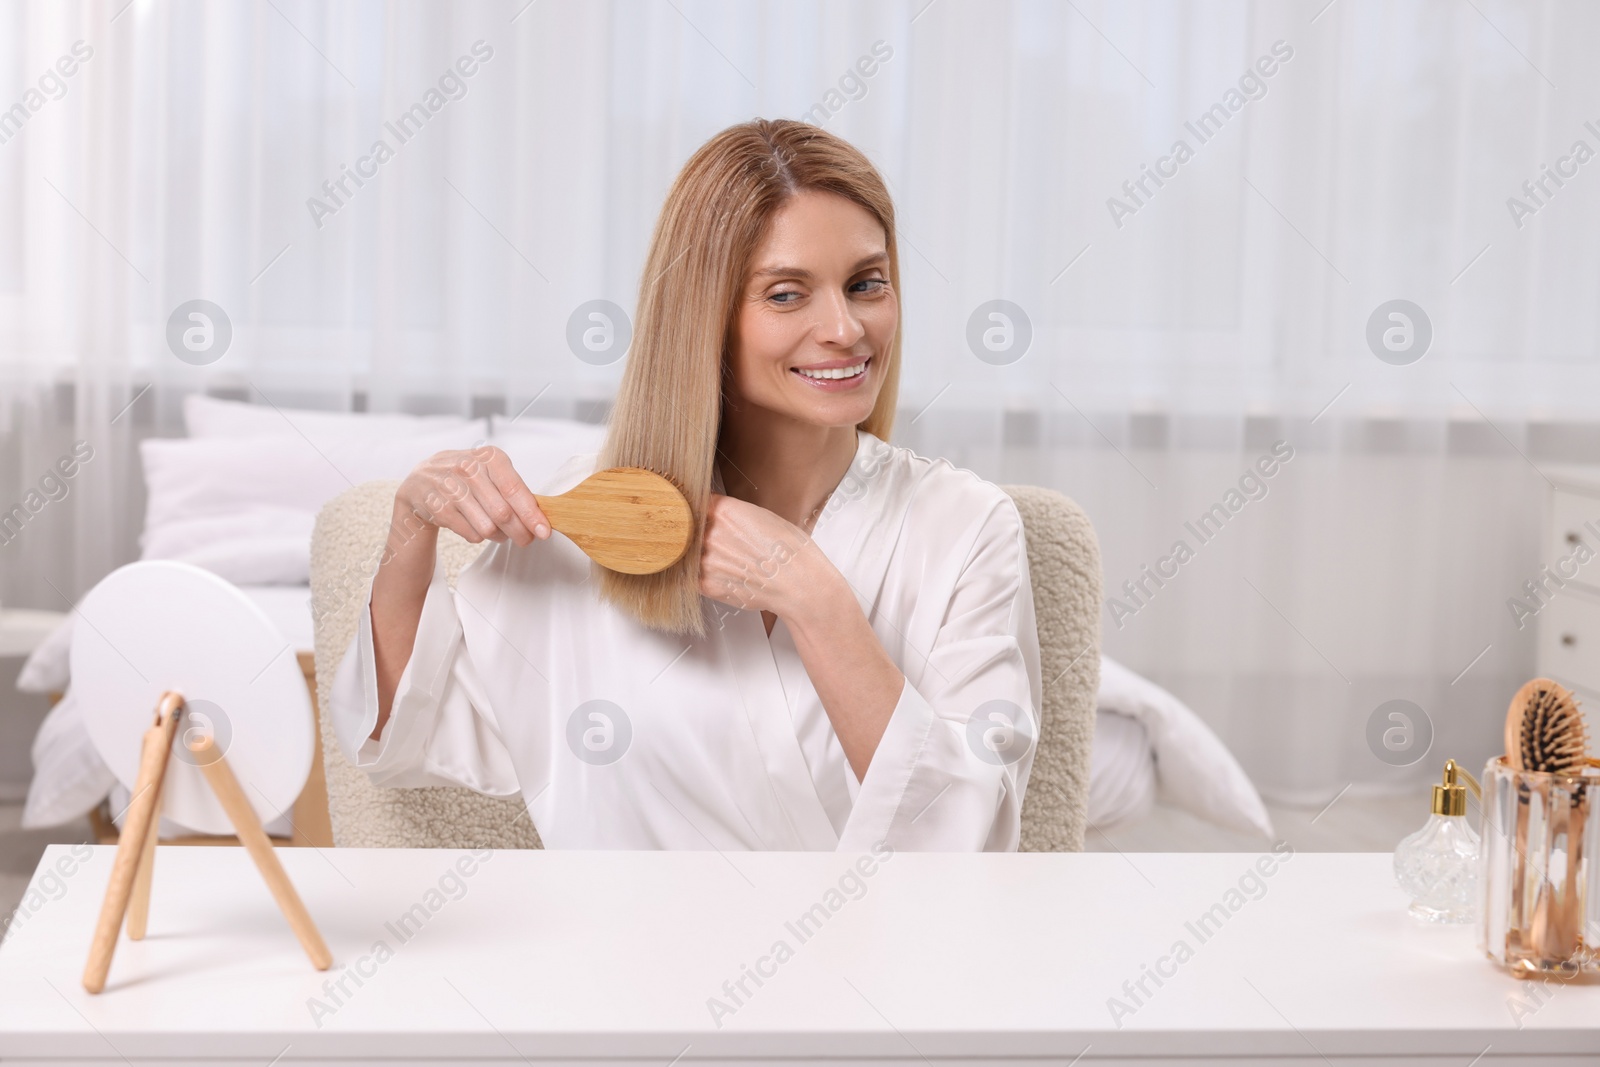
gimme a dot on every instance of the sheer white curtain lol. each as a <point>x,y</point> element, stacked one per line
<point>1338,157</point>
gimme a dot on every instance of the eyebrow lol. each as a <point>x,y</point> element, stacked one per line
<point>805,275</point>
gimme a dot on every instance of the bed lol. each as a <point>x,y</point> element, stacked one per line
<point>240,494</point>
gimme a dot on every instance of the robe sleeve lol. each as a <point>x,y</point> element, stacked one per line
<point>950,771</point>
<point>441,729</point>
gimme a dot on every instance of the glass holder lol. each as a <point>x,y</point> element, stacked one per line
<point>1539,879</point>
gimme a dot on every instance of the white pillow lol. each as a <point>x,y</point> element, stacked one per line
<point>538,447</point>
<point>1122,770</point>
<point>69,777</point>
<point>255,546</point>
<point>206,416</point>
<point>188,477</point>
<point>1194,769</point>
<point>243,508</point>
<point>46,668</point>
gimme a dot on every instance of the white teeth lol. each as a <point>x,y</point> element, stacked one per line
<point>836,372</point>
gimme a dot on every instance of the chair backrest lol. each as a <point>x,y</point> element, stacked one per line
<point>345,547</point>
<point>1064,560</point>
<point>1064,565</point>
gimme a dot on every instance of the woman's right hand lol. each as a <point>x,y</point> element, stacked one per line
<point>476,493</point>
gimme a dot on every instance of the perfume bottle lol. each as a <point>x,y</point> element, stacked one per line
<point>1438,865</point>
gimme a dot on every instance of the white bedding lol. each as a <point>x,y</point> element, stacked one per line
<point>1147,744</point>
<point>253,528</point>
<point>1192,768</point>
<point>1122,769</point>
<point>239,496</point>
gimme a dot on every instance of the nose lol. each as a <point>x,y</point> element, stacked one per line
<point>837,322</point>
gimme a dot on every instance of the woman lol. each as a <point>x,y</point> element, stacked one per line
<point>846,655</point>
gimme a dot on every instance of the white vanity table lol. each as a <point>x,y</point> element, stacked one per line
<point>587,957</point>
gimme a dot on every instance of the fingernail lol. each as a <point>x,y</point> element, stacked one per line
<point>541,531</point>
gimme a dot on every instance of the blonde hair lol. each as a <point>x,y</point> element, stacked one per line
<point>668,412</point>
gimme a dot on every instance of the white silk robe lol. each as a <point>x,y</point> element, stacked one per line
<point>523,680</point>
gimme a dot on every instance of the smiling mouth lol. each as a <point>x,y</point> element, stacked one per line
<point>855,370</point>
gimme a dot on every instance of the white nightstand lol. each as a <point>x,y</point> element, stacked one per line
<point>1569,622</point>
<point>22,629</point>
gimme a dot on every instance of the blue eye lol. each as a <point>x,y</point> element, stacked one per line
<point>876,283</point>
<point>786,292</point>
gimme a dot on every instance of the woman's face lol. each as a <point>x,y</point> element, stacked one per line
<point>816,316</point>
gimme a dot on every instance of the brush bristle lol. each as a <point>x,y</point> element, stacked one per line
<point>1553,738</point>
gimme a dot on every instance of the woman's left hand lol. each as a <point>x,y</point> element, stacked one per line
<point>752,558</point>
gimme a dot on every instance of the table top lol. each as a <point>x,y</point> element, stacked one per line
<point>629,954</point>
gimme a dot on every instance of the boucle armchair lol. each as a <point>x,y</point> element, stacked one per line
<point>1064,560</point>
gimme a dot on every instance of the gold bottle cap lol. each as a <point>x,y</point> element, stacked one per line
<point>1450,798</point>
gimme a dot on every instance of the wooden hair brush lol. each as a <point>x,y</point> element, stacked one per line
<point>1545,730</point>
<point>1545,733</point>
<point>626,519</point>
